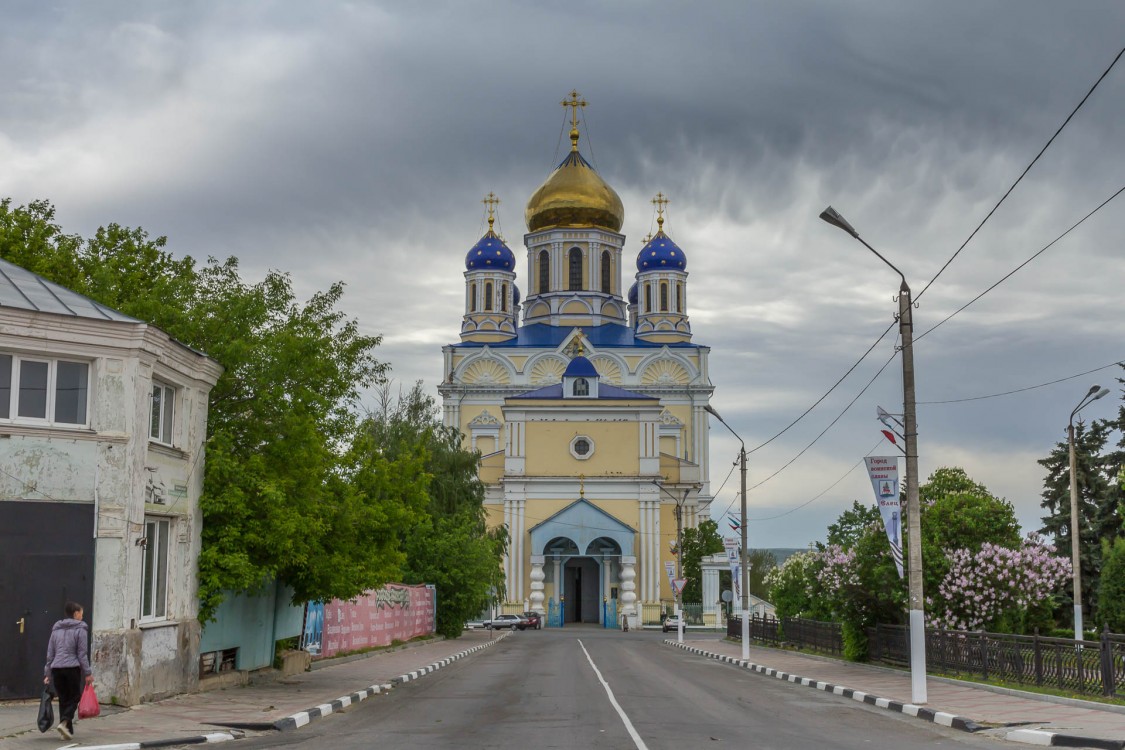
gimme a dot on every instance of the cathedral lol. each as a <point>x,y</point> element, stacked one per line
<point>585,398</point>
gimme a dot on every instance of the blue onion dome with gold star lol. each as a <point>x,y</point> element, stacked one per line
<point>660,253</point>
<point>490,253</point>
<point>515,294</point>
<point>574,195</point>
<point>633,293</point>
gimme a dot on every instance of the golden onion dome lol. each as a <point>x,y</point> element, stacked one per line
<point>574,196</point>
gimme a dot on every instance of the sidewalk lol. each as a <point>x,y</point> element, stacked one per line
<point>1014,715</point>
<point>253,707</point>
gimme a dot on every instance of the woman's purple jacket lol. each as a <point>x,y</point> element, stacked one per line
<point>68,646</point>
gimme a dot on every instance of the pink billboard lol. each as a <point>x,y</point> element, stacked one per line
<point>394,612</point>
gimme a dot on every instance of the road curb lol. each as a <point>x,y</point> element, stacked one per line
<point>301,718</point>
<point>1039,737</point>
<point>926,714</point>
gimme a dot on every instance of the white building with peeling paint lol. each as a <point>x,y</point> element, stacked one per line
<point>103,420</point>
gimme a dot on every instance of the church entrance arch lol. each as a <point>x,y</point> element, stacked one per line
<point>578,554</point>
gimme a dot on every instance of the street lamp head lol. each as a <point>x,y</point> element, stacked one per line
<point>1093,390</point>
<point>711,410</point>
<point>1101,393</point>
<point>833,217</point>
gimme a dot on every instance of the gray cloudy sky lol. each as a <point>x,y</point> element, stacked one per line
<point>352,140</point>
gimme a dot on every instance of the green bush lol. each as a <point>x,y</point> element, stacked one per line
<point>1111,586</point>
<point>855,641</point>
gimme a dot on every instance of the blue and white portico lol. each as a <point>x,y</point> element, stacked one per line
<point>583,556</point>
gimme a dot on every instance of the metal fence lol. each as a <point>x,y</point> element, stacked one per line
<point>1089,667</point>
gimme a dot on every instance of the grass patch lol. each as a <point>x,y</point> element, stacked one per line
<point>390,646</point>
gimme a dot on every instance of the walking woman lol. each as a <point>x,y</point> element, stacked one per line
<point>68,664</point>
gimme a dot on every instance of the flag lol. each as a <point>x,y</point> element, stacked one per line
<point>883,471</point>
<point>733,522</point>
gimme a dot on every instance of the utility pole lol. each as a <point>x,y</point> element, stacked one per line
<point>680,568</point>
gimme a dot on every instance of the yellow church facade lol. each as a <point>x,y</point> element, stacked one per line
<point>585,400</point>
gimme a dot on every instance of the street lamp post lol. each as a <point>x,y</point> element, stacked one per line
<point>914,515</point>
<point>1091,396</point>
<point>745,574</point>
<point>679,556</point>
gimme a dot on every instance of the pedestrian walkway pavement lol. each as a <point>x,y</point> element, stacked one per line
<point>226,714</point>
<point>1014,715</point>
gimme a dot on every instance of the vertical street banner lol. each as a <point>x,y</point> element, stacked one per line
<point>670,569</point>
<point>883,471</point>
<point>733,559</point>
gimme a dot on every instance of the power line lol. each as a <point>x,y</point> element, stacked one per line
<point>829,427</point>
<point>1020,178</point>
<point>1021,265</point>
<point>827,393</point>
<point>821,494</point>
<point>1021,390</point>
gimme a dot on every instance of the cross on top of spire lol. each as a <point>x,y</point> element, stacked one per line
<point>660,202</point>
<point>574,102</point>
<point>492,202</point>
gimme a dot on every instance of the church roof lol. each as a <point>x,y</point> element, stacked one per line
<point>24,290</point>
<point>580,367</point>
<point>605,392</point>
<point>608,335</point>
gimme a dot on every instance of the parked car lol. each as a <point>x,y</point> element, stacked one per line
<point>671,622</point>
<point>534,620</point>
<point>508,622</point>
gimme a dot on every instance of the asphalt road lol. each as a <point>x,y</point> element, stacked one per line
<point>541,689</point>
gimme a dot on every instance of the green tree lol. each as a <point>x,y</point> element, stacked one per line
<point>853,524</point>
<point>448,543</point>
<point>794,587</point>
<point>700,542</point>
<point>1111,586</point>
<point>959,513</point>
<point>277,499</point>
<point>1097,505</point>
<point>759,564</point>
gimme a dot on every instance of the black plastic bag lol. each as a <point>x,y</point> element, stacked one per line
<point>46,709</point>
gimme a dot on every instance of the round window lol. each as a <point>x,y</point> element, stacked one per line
<point>581,447</point>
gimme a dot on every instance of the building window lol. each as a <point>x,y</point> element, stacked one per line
<point>472,297</point>
<point>648,298</point>
<point>161,413</point>
<point>503,298</point>
<point>53,391</point>
<point>575,261</point>
<point>663,296</point>
<point>544,272</point>
<point>606,286</point>
<point>488,296</point>
<point>679,298</point>
<point>154,574</point>
<point>581,387</point>
<point>581,447</point>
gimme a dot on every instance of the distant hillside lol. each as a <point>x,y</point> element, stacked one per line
<point>781,553</point>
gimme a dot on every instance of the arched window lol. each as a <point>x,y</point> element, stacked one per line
<point>648,297</point>
<point>574,259</point>
<point>679,298</point>
<point>663,296</point>
<point>488,295</point>
<point>503,298</point>
<point>581,387</point>
<point>472,297</point>
<point>544,272</point>
<point>606,272</point>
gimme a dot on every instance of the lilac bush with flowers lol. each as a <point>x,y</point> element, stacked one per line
<point>999,589</point>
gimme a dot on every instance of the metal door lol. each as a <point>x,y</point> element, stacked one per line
<point>46,560</point>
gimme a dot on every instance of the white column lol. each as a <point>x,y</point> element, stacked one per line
<point>628,595</point>
<point>710,590</point>
<point>644,529</point>
<point>509,522</point>
<point>558,580</point>
<point>537,576</point>
<point>521,506</point>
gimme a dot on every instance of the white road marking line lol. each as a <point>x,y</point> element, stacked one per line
<point>613,701</point>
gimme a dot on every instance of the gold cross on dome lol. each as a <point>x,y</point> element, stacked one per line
<point>582,485</point>
<point>574,102</point>
<point>492,202</point>
<point>660,202</point>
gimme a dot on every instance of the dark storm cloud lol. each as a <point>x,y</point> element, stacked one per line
<point>354,141</point>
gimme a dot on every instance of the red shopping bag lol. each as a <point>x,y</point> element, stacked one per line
<point>88,707</point>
